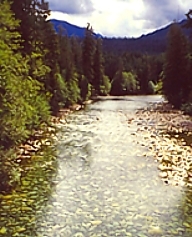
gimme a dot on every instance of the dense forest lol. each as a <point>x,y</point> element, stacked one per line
<point>42,71</point>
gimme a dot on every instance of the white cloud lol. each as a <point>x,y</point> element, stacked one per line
<point>120,18</point>
<point>72,6</point>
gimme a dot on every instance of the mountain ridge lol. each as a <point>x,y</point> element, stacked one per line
<point>152,43</point>
<point>70,29</point>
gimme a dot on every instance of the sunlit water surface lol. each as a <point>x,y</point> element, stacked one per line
<point>104,186</point>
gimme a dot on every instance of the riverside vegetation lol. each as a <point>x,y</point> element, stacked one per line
<point>42,72</point>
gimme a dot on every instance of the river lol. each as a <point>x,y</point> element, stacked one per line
<point>103,184</point>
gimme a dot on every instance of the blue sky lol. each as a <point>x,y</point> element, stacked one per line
<point>120,18</point>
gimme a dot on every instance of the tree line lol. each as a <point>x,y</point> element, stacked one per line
<point>42,72</point>
<point>177,71</point>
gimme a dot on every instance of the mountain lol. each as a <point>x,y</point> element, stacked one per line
<point>163,32</point>
<point>152,43</point>
<point>70,29</point>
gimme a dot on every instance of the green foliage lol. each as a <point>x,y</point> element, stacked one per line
<point>85,88</point>
<point>124,83</point>
<point>105,88</point>
<point>151,87</point>
<point>158,87</point>
<point>59,94</point>
<point>23,106</point>
<point>145,67</point>
<point>176,82</point>
<point>129,83</point>
<point>98,70</point>
<point>117,82</point>
<point>77,54</point>
<point>88,51</point>
<point>117,85</point>
<point>73,90</point>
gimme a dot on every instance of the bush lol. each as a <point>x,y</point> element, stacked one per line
<point>106,87</point>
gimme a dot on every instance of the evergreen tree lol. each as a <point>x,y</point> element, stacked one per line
<point>175,82</point>
<point>41,45</point>
<point>117,82</point>
<point>68,70</point>
<point>88,55</point>
<point>54,83</point>
<point>98,70</point>
<point>105,87</point>
<point>77,54</point>
<point>31,19</point>
<point>23,108</point>
<point>143,73</point>
<point>85,88</point>
<point>110,64</point>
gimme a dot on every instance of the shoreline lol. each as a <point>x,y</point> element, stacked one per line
<point>31,147</point>
<point>159,129</point>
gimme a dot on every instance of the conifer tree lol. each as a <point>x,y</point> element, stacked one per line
<point>23,108</point>
<point>22,103</point>
<point>77,54</point>
<point>175,82</point>
<point>68,70</point>
<point>41,45</point>
<point>88,54</point>
<point>117,82</point>
<point>98,70</point>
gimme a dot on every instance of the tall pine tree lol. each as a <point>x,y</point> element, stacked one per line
<point>175,82</point>
<point>23,108</point>
<point>88,55</point>
<point>98,70</point>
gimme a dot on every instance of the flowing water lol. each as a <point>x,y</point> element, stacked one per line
<point>102,186</point>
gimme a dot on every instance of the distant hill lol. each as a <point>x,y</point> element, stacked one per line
<point>70,29</point>
<point>152,43</point>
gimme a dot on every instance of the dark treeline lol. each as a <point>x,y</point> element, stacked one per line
<point>133,73</point>
<point>177,71</point>
<point>42,71</point>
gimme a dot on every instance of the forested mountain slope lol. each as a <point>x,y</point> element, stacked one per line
<point>152,43</point>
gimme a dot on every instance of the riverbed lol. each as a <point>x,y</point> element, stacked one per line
<point>103,183</point>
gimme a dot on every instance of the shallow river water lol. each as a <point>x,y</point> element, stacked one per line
<point>103,185</point>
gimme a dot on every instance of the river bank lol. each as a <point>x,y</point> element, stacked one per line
<point>50,134</point>
<point>167,136</point>
<point>164,132</point>
<point>100,183</point>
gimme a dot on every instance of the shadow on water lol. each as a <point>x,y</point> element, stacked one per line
<point>75,146</point>
<point>25,204</point>
<point>129,98</point>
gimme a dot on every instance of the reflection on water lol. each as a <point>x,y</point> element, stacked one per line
<point>104,185</point>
